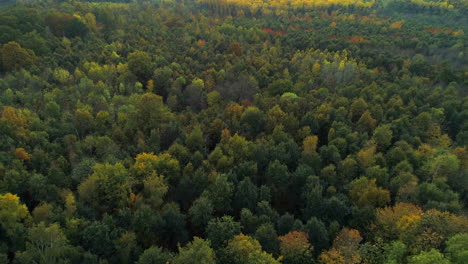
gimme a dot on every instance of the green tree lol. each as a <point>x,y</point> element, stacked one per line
<point>195,140</point>
<point>429,257</point>
<point>279,87</point>
<point>107,189</point>
<point>197,251</point>
<point>126,247</point>
<point>46,244</point>
<point>457,248</point>
<point>200,213</point>
<point>220,230</point>
<point>268,238</point>
<point>220,193</point>
<point>154,190</point>
<point>317,233</point>
<point>13,57</point>
<point>155,255</point>
<point>141,65</point>
<point>253,121</point>
<point>246,195</point>
<point>383,136</point>
<point>150,113</point>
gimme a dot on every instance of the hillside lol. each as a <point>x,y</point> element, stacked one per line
<point>234,132</point>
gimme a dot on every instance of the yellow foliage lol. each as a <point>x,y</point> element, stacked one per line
<point>316,68</point>
<point>144,162</point>
<point>310,144</point>
<point>345,248</point>
<point>69,202</point>
<point>11,212</point>
<point>392,220</point>
<point>366,157</point>
<point>279,6</point>
<point>22,154</point>
<point>396,25</point>
<point>13,116</point>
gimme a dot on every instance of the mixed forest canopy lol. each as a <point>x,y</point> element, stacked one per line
<point>234,132</point>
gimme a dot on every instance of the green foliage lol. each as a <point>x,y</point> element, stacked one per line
<point>245,249</point>
<point>107,188</point>
<point>197,251</point>
<point>46,244</point>
<point>13,57</point>
<point>140,64</point>
<point>129,129</point>
<point>432,256</point>
<point>457,248</point>
<point>220,230</point>
<point>154,255</point>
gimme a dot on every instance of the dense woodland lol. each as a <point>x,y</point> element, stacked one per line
<point>234,132</point>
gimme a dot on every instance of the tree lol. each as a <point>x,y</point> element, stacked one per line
<point>366,157</point>
<point>200,213</point>
<point>428,257</point>
<point>383,136</point>
<point>457,248</point>
<point>220,230</point>
<point>172,230</point>
<point>151,113</point>
<point>345,248</point>
<point>220,193</point>
<point>46,244</point>
<point>98,237</point>
<point>43,213</point>
<point>295,248</point>
<point>358,107</point>
<point>365,193</point>
<point>84,122</point>
<point>253,121</point>
<point>57,23</point>
<point>107,189</point>
<point>146,164</point>
<point>278,175</point>
<point>285,224</point>
<point>246,195</point>
<point>312,196</point>
<point>367,123</point>
<point>310,145</point>
<point>126,247</point>
<point>75,28</point>
<point>278,87</point>
<point>244,249</point>
<point>197,251</point>
<point>13,215</point>
<point>195,95</point>
<point>387,223</point>
<point>154,255</point>
<point>141,65</point>
<point>154,190</point>
<point>266,235</point>
<point>195,140</point>
<point>317,233</point>
<point>13,57</point>
<point>22,154</point>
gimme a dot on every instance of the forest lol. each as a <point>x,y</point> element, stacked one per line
<point>233,132</point>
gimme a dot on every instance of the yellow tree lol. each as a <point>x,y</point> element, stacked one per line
<point>295,248</point>
<point>365,193</point>
<point>244,249</point>
<point>345,249</point>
